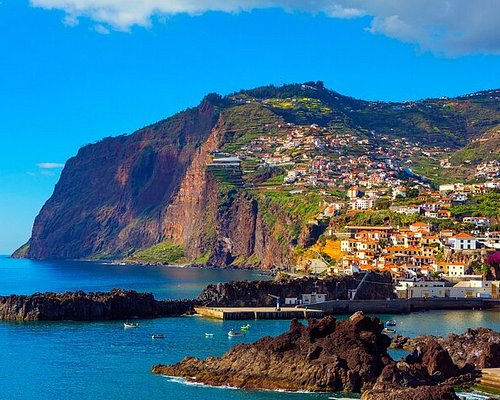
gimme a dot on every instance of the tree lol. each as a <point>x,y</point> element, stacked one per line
<point>412,192</point>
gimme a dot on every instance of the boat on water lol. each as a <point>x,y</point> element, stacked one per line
<point>127,325</point>
<point>245,327</point>
<point>158,336</point>
<point>390,323</point>
<point>233,333</point>
<point>389,331</point>
<point>209,335</point>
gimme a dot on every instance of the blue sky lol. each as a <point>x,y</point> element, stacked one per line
<point>72,73</point>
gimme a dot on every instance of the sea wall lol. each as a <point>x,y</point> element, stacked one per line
<point>402,306</point>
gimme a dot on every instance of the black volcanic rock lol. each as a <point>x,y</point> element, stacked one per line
<point>324,356</point>
<point>478,347</point>
<point>331,356</point>
<point>421,393</point>
<point>81,306</point>
<point>251,294</point>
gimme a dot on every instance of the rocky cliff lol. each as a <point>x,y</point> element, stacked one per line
<point>479,347</point>
<point>125,194</point>
<point>111,197</point>
<point>80,306</point>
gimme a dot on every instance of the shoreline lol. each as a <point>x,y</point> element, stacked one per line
<point>184,381</point>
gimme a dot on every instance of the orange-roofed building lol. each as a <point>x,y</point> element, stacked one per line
<point>420,227</point>
<point>463,241</point>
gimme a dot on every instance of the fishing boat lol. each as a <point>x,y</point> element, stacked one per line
<point>158,336</point>
<point>245,327</point>
<point>389,331</point>
<point>233,333</point>
<point>390,323</point>
<point>209,335</point>
<point>127,325</point>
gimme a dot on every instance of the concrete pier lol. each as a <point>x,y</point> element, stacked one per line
<point>242,313</point>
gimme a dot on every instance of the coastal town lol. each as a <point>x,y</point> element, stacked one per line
<point>440,254</point>
<point>376,212</point>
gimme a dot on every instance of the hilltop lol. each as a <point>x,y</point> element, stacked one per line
<point>244,179</point>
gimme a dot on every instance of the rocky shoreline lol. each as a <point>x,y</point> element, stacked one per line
<point>479,347</point>
<point>122,304</point>
<point>332,356</point>
<point>80,306</point>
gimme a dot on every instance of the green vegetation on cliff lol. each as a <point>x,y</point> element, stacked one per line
<point>162,253</point>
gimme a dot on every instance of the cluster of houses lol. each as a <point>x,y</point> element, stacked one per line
<point>331,157</point>
<point>485,170</point>
<point>413,256</point>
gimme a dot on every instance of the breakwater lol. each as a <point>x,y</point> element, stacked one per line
<point>403,306</point>
<point>81,306</point>
<point>243,313</point>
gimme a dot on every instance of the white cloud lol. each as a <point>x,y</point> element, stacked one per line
<point>451,27</point>
<point>50,165</point>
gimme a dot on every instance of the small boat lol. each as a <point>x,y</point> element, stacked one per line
<point>390,323</point>
<point>389,331</point>
<point>127,325</point>
<point>233,333</point>
<point>209,335</point>
<point>158,336</point>
<point>245,327</point>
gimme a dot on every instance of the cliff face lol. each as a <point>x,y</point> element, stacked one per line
<point>111,197</point>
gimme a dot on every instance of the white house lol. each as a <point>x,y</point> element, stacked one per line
<point>463,241</point>
<point>364,203</point>
<point>425,289</point>
<point>475,288</point>
<point>447,187</point>
<point>311,298</point>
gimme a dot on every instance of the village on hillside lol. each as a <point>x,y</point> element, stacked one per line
<point>445,231</point>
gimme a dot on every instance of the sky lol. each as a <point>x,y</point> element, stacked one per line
<point>75,71</point>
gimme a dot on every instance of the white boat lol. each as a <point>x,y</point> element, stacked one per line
<point>389,331</point>
<point>127,325</point>
<point>233,333</point>
<point>158,336</point>
<point>209,335</point>
<point>390,323</point>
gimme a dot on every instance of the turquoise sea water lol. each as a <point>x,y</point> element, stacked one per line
<point>101,360</point>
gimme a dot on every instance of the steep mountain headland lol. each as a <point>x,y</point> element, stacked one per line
<point>175,192</point>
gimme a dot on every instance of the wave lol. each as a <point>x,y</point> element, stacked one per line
<point>184,381</point>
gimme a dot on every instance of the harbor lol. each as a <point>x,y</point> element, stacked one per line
<point>245,313</point>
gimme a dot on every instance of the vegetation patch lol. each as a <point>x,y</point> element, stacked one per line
<point>162,253</point>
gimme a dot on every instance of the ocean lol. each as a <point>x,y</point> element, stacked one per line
<point>101,360</point>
